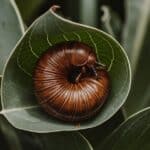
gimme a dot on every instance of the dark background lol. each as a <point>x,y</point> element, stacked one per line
<point>71,9</point>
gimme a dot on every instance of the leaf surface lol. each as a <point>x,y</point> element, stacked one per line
<point>135,29</point>
<point>11,29</point>
<point>137,43</point>
<point>133,134</point>
<point>19,104</point>
<point>98,134</point>
<point>20,140</point>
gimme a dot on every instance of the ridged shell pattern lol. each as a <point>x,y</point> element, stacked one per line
<point>54,83</point>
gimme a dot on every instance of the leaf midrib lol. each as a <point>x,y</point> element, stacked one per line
<point>4,111</point>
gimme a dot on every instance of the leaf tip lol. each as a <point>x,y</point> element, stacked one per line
<point>54,8</point>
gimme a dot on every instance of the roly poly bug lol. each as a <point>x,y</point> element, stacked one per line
<point>68,82</point>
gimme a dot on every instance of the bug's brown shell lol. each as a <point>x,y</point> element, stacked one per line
<point>59,96</point>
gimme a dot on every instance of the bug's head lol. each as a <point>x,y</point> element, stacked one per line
<point>82,57</point>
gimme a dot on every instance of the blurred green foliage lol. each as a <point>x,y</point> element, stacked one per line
<point>120,14</point>
<point>29,9</point>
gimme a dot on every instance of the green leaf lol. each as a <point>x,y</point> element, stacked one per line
<point>56,141</point>
<point>98,134</point>
<point>139,96</point>
<point>19,104</point>
<point>14,139</point>
<point>88,12</point>
<point>111,23</point>
<point>136,41</point>
<point>29,8</point>
<point>9,136</point>
<point>133,134</point>
<point>135,28</point>
<point>11,29</point>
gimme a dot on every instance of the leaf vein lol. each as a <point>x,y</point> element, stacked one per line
<point>78,36</point>
<point>29,41</point>
<point>95,46</point>
<point>47,36</point>
<point>19,109</point>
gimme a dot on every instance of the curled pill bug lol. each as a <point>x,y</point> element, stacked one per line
<point>69,83</point>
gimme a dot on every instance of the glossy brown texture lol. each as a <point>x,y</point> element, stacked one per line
<point>68,83</point>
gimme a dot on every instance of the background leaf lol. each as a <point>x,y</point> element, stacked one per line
<point>133,134</point>
<point>88,12</point>
<point>19,105</point>
<point>13,139</point>
<point>135,28</point>
<point>9,136</point>
<point>137,43</point>
<point>9,139</point>
<point>98,134</point>
<point>111,22</point>
<point>11,29</point>
<point>29,8</point>
<point>139,96</point>
<point>57,141</point>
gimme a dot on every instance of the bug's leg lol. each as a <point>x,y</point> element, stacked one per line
<point>83,70</point>
<point>99,65</point>
<point>94,71</point>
